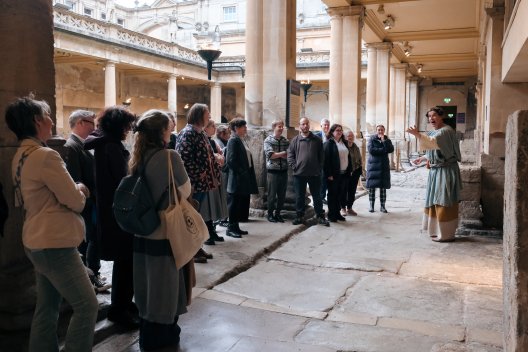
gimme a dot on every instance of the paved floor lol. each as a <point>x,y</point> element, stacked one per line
<point>372,283</point>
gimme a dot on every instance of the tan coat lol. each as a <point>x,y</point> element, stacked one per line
<point>52,200</point>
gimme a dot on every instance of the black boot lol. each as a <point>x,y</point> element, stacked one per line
<point>298,219</point>
<point>210,241</point>
<point>239,230</point>
<point>231,231</point>
<point>382,209</point>
<point>371,207</point>
<point>270,217</point>
<point>278,217</point>
<point>213,235</point>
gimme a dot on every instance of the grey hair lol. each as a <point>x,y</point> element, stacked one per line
<point>324,121</point>
<point>79,115</point>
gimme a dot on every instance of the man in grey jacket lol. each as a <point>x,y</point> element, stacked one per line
<point>275,150</point>
<point>305,157</point>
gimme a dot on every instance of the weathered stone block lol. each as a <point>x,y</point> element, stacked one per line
<point>470,192</point>
<point>470,174</point>
<point>515,277</point>
<point>469,210</point>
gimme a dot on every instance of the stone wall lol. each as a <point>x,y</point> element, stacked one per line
<point>470,212</point>
<point>27,66</point>
<point>492,190</point>
<point>515,275</point>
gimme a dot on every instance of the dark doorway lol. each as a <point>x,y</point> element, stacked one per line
<point>450,113</point>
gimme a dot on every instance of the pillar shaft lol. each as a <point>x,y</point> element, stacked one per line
<point>274,61</point>
<point>382,83</point>
<point>172,95</point>
<point>400,97</point>
<point>371,89</point>
<point>110,83</point>
<point>336,68</point>
<point>392,103</point>
<point>351,68</point>
<point>253,77</point>
<point>216,102</point>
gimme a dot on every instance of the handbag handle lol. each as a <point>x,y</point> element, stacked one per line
<point>172,186</point>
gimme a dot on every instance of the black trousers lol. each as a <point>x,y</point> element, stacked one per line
<point>352,182</point>
<point>238,206</point>
<point>122,284</point>
<point>336,194</point>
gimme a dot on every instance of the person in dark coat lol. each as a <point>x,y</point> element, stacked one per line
<point>111,165</point>
<point>241,182</point>
<point>378,167</point>
<point>80,165</point>
<point>336,168</point>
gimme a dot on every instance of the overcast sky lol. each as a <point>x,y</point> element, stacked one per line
<point>130,3</point>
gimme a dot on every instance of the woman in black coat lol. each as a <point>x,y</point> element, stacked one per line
<point>336,168</point>
<point>241,181</point>
<point>111,165</point>
<point>378,167</point>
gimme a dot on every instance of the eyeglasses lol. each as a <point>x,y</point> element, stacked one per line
<point>89,121</point>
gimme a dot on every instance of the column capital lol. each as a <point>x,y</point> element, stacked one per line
<point>402,66</point>
<point>110,63</point>
<point>346,11</point>
<point>380,46</point>
<point>172,75</point>
<point>414,79</point>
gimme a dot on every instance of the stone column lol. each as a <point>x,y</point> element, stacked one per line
<point>24,68</point>
<point>336,69</point>
<point>110,84</point>
<point>253,77</point>
<point>371,89</point>
<point>400,96</point>
<point>515,266</point>
<point>274,60</point>
<point>351,68</point>
<point>172,99</point>
<point>382,83</point>
<point>392,101</point>
<point>413,101</point>
<point>216,102</point>
<point>240,101</point>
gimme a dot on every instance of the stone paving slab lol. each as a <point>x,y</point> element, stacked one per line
<point>298,288</point>
<point>483,308</point>
<point>364,338</point>
<point>468,260</point>
<point>219,326</point>
<point>254,344</point>
<point>237,253</point>
<point>464,347</point>
<point>406,298</point>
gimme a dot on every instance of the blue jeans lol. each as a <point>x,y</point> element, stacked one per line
<point>59,273</point>
<point>314,182</point>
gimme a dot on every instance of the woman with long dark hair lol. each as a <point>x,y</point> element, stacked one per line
<point>161,290</point>
<point>336,168</point>
<point>111,159</point>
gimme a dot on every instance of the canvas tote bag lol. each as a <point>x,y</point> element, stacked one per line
<point>186,230</point>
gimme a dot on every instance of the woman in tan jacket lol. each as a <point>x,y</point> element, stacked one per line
<point>53,229</point>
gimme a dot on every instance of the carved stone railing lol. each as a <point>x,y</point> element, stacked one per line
<point>69,21</point>
<point>72,22</point>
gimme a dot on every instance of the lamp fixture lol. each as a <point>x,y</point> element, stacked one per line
<point>381,9</point>
<point>407,49</point>
<point>388,23</point>
<point>419,68</point>
<point>127,102</point>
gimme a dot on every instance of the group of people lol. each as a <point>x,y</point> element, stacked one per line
<point>69,217</point>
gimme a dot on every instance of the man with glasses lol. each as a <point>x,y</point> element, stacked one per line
<point>80,165</point>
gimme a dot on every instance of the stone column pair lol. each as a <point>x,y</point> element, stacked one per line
<point>270,58</point>
<point>377,110</point>
<point>345,65</point>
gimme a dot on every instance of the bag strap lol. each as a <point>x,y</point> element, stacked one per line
<point>19,200</point>
<point>173,190</point>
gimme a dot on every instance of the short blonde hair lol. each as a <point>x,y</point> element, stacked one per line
<point>276,122</point>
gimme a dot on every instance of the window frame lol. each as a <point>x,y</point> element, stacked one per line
<point>233,14</point>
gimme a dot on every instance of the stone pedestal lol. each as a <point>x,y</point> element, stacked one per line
<point>515,275</point>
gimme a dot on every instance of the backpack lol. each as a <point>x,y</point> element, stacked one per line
<point>134,209</point>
